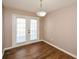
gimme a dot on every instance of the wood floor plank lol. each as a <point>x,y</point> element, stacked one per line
<point>39,50</point>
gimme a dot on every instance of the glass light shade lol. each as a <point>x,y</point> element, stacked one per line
<point>41,13</point>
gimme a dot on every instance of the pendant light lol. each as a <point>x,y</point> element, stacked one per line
<point>41,12</point>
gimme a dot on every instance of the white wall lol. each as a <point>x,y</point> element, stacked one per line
<point>60,28</point>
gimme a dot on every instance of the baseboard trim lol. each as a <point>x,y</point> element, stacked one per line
<point>20,45</point>
<point>45,42</point>
<point>61,49</point>
<point>3,53</point>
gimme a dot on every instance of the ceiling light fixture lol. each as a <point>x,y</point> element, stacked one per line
<point>41,12</point>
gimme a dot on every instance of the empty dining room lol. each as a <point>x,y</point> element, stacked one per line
<point>39,29</point>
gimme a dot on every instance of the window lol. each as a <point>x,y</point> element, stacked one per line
<point>20,30</point>
<point>33,29</point>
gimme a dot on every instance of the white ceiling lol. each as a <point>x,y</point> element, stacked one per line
<point>33,5</point>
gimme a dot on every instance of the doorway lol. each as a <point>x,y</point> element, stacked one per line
<point>24,29</point>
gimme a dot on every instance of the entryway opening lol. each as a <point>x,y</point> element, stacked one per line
<point>25,29</point>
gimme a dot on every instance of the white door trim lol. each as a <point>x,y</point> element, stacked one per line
<point>14,24</point>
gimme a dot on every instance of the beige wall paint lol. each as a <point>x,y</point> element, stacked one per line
<point>3,28</point>
<point>8,24</point>
<point>60,28</point>
<point>41,28</point>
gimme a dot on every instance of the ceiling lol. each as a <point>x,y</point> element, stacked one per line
<point>33,5</point>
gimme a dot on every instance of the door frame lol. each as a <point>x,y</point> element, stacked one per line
<point>14,28</point>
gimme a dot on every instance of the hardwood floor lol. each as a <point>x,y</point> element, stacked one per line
<point>39,50</point>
